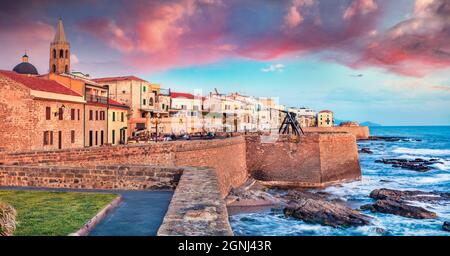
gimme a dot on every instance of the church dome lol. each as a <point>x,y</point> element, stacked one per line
<point>25,67</point>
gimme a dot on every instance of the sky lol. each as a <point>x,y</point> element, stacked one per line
<point>367,60</point>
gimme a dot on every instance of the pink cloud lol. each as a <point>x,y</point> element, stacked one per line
<point>413,47</point>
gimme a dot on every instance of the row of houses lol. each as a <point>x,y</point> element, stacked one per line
<point>63,109</point>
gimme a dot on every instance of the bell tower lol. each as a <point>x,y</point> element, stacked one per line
<point>59,52</point>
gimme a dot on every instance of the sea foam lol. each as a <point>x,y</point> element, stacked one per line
<point>422,151</point>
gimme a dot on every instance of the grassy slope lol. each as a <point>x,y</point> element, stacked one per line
<point>53,213</point>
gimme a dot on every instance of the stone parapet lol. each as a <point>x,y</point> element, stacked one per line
<point>360,132</point>
<point>197,207</point>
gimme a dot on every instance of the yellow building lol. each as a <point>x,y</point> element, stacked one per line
<point>325,119</point>
<point>117,123</point>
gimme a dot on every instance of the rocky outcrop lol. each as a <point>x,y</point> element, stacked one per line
<point>399,208</point>
<point>399,202</point>
<point>409,195</point>
<point>315,210</point>
<point>365,151</point>
<point>251,193</point>
<point>418,164</point>
<point>446,226</point>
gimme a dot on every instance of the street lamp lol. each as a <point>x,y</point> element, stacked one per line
<point>156,121</point>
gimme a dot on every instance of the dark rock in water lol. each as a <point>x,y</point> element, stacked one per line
<point>399,208</point>
<point>326,213</point>
<point>365,151</point>
<point>418,164</point>
<point>415,195</point>
<point>446,226</point>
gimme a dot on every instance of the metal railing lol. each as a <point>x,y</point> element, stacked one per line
<point>96,99</point>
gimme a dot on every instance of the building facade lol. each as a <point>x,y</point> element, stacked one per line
<point>39,114</point>
<point>325,118</point>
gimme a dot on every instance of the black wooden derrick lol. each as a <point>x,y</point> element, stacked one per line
<point>290,124</point>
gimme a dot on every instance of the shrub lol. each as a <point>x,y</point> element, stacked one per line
<point>7,219</point>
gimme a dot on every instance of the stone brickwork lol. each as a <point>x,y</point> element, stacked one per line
<point>360,132</point>
<point>129,177</point>
<point>227,157</point>
<point>197,207</point>
<point>319,159</point>
<point>23,120</point>
<point>15,132</point>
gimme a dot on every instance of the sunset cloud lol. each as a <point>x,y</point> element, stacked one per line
<point>161,35</point>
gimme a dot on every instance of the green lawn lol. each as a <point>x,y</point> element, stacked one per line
<point>45,213</point>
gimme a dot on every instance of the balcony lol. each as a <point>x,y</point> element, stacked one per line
<point>96,99</point>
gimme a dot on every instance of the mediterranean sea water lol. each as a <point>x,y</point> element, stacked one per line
<point>426,142</point>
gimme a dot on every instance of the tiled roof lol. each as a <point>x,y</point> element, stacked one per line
<point>116,103</point>
<point>326,111</point>
<point>182,95</point>
<point>39,84</point>
<point>118,78</point>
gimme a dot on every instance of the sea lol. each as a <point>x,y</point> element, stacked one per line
<point>426,142</point>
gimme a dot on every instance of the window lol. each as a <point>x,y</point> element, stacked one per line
<point>96,138</point>
<point>66,69</point>
<point>163,106</point>
<point>113,137</point>
<point>144,89</point>
<point>113,116</point>
<point>90,138</point>
<point>67,54</point>
<point>61,53</point>
<point>54,54</point>
<point>196,108</point>
<point>60,113</point>
<point>48,113</point>
<point>101,137</point>
<point>78,114</point>
<point>48,138</point>
<point>122,117</point>
<point>96,115</point>
<point>150,101</point>
<point>54,68</point>
<point>72,136</point>
<point>144,102</point>
<point>72,114</point>
<point>91,115</point>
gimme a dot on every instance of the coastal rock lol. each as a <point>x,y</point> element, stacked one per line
<point>365,151</point>
<point>446,226</point>
<point>315,210</point>
<point>399,208</point>
<point>251,193</point>
<point>408,195</point>
<point>418,164</point>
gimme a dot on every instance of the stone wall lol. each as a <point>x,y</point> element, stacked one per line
<point>130,177</point>
<point>197,207</point>
<point>360,132</point>
<point>227,157</point>
<point>318,159</point>
<point>15,132</point>
<point>23,120</point>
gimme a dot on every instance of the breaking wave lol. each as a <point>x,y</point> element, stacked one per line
<point>422,151</point>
